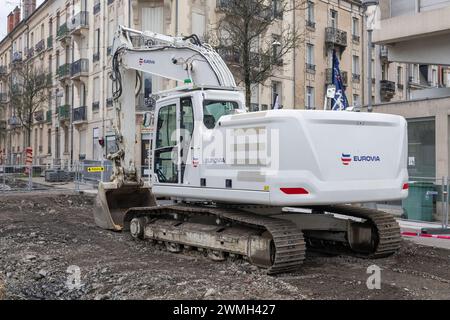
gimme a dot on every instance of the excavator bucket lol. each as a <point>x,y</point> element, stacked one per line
<point>112,203</point>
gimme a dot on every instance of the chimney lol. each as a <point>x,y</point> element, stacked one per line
<point>10,22</point>
<point>16,16</point>
<point>29,6</point>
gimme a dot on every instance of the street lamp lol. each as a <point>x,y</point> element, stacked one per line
<point>366,4</point>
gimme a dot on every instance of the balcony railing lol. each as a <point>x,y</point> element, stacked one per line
<point>64,71</point>
<point>14,121</point>
<point>335,37</point>
<point>310,24</point>
<point>97,8</point>
<point>39,116</point>
<point>79,114</point>
<point>48,116</point>
<point>64,112</point>
<point>95,106</point>
<point>3,97</point>
<point>329,76</point>
<point>229,54</point>
<point>3,124</point>
<point>311,68</point>
<point>387,90</point>
<point>30,53</point>
<point>63,31</point>
<point>40,46</point>
<point>356,78</point>
<point>3,71</point>
<point>144,104</point>
<point>109,103</point>
<point>16,57</point>
<point>50,42</point>
<point>79,21</point>
<point>79,68</point>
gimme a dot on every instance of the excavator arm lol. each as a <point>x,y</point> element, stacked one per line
<point>183,59</point>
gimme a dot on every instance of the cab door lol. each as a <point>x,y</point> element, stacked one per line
<point>167,166</point>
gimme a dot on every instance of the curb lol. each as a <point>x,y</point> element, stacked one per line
<point>424,235</point>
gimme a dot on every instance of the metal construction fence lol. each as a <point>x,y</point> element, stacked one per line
<point>428,199</point>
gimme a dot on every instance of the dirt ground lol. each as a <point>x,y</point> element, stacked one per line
<point>46,239</point>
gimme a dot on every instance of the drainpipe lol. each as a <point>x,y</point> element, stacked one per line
<point>293,60</point>
<point>176,17</point>
<point>129,13</point>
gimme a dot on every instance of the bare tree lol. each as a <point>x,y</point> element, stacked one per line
<point>28,92</point>
<point>253,39</point>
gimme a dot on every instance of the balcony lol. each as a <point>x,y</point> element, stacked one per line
<point>356,78</point>
<point>50,42</point>
<point>79,114</point>
<point>335,37</point>
<point>79,22</point>
<point>329,76</point>
<point>3,125</point>
<point>63,33</point>
<point>63,72</point>
<point>3,97</point>
<point>387,90</point>
<point>39,116</point>
<point>48,116</point>
<point>79,68</point>
<point>40,46</point>
<point>64,112</point>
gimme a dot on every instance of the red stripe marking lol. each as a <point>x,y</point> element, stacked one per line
<point>424,235</point>
<point>294,190</point>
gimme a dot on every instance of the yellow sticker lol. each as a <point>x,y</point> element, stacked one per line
<point>95,169</point>
<point>266,188</point>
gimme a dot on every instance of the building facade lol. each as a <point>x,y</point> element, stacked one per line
<point>71,41</point>
<point>416,37</point>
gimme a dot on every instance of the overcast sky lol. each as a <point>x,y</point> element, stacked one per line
<point>6,6</point>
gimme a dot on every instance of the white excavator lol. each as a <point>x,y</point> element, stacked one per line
<point>262,186</point>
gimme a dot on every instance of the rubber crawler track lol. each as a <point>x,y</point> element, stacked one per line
<point>388,238</point>
<point>287,238</point>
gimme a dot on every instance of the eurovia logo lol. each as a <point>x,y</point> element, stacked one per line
<point>146,61</point>
<point>347,158</point>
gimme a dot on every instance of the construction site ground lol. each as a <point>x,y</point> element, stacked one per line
<point>44,237</point>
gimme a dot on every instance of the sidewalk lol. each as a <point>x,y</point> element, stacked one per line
<point>411,231</point>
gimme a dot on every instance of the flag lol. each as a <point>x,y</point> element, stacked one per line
<point>276,102</point>
<point>339,102</point>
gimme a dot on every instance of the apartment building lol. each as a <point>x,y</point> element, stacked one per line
<point>70,40</point>
<point>416,36</point>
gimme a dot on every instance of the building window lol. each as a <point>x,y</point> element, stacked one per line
<point>95,144</point>
<point>276,94</point>
<point>399,75</point>
<point>276,49</point>
<point>310,66</point>
<point>309,101</point>
<point>310,15</point>
<point>333,18</point>
<point>97,42</point>
<point>66,139</point>
<point>356,101</point>
<point>355,26</point>
<point>355,65</point>
<point>49,141</point>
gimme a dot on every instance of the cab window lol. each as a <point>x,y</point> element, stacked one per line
<point>213,110</point>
